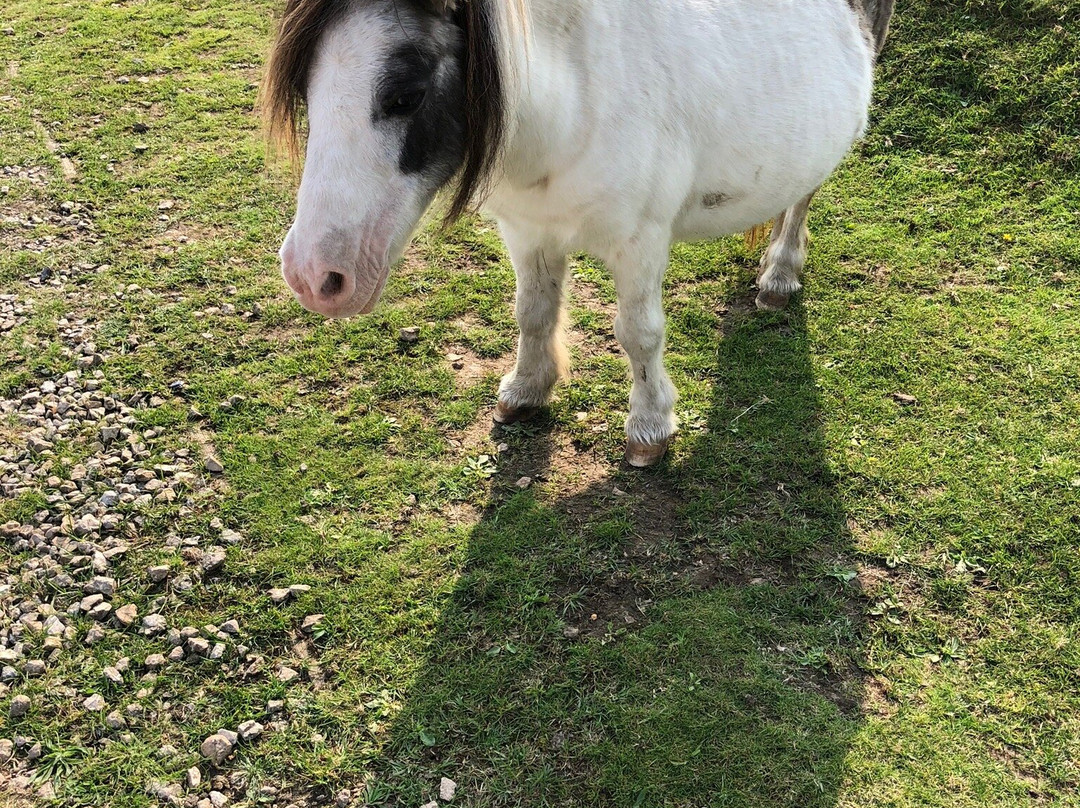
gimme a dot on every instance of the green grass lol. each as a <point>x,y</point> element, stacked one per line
<point>824,597</point>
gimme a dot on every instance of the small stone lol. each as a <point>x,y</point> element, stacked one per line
<point>231,536</point>
<point>94,703</point>
<point>411,334</point>
<point>197,645</point>
<point>102,585</point>
<point>20,706</point>
<point>432,804</point>
<point>126,615</point>
<point>87,525</point>
<point>905,400</point>
<point>212,559</point>
<point>38,445</point>
<point>299,589</point>
<point>250,730</point>
<point>35,667</point>
<point>153,624</point>
<point>95,634</point>
<point>310,622</point>
<point>229,735</point>
<point>193,778</point>
<point>279,595</point>
<point>154,661</point>
<point>166,794</point>
<point>213,465</point>
<point>524,483</point>
<point>217,748</point>
<point>218,800</point>
<point>570,632</point>
<point>447,787</point>
<point>287,674</point>
<point>275,706</point>
<point>7,749</point>
<point>158,573</point>
<point>53,626</point>
<point>113,675</point>
<point>230,627</point>
<point>115,721</point>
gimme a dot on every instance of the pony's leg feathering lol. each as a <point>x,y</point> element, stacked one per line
<point>541,269</point>
<point>783,261</point>
<point>639,274</point>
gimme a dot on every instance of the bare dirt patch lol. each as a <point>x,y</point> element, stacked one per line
<point>877,700</point>
<point>589,296</point>
<point>470,368</point>
<point>67,167</point>
<point>32,226</point>
<point>207,452</point>
<point>179,232</point>
<point>1021,770</point>
<point>601,611</point>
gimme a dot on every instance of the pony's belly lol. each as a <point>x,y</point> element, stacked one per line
<point>708,221</point>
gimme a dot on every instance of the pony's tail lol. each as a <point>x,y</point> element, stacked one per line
<point>755,235</point>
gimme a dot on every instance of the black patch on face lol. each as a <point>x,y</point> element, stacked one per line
<point>432,134</point>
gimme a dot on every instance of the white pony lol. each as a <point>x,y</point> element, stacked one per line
<point>612,127</point>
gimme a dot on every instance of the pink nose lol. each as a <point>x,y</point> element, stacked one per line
<point>319,288</point>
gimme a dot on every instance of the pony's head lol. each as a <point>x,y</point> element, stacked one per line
<point>402,99</point>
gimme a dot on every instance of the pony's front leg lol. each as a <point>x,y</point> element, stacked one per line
<point>639,276</point>
<point>541,268</point>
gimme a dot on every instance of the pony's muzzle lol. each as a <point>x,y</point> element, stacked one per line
<point>325,291</point>
<point>330,290</point>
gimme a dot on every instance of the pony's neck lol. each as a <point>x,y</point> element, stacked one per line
<point>543,86</point>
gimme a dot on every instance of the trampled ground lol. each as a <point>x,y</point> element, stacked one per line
<point>855,583</point>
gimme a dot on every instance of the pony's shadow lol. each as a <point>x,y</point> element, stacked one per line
<point>682,636</point>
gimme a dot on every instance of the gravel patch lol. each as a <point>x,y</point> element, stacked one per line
<point>77,448</point>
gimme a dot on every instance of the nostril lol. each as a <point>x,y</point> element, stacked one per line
<point>333,284</point>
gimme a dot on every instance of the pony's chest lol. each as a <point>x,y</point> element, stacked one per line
<point>561,208</point>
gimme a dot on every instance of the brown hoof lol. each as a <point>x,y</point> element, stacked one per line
<point>505,414</point>
<point>772,301</point>
<point>642,455</point>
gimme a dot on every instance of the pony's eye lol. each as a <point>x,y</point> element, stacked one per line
<point>406,103</point>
